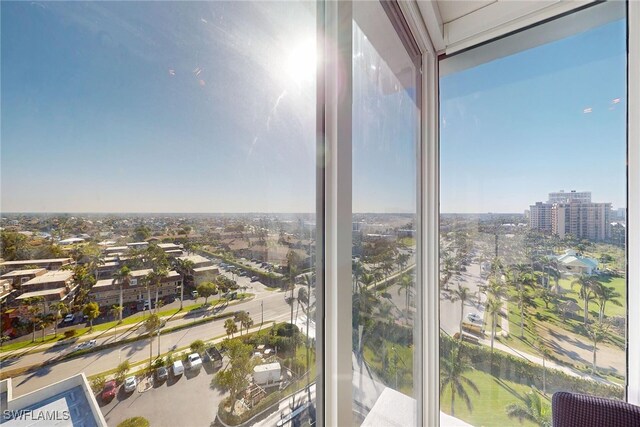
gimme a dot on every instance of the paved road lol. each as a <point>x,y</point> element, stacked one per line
<point>275,309</point>
<point>450,310</point>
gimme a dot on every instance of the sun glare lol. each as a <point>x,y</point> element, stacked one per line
<point>301,62</point>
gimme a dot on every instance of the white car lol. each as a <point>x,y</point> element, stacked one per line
<point>68,318</point>
<point>194,361</point>
<point>474,318</point>
<point>177,368</point>
<point>130,384</point>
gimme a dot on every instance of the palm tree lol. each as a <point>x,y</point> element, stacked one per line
<point>45,321</point>
<point>231,327</point>
<point>116,311</point>
<point>152,324</point>
<point>494,308</point>
<point>34,310</point>
<point>405,284</point>
<point>122,277</point>
<point>356,270</point>
<point>185,268</point>
<point>606,294</point>
<point>59,310</point>
<point>532,409</point>
<point>155,277</point>
<point>597,333</point>
<point>586,285</point>
<point>452,369</point>
<point>92,311</point>
<point>462,294</point>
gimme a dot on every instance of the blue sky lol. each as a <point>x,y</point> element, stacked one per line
<point>196,107</point>
<point>157,106</point>
<point>545,119</point>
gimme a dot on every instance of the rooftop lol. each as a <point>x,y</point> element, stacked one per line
<point>28,271</point>
<point>69,402</point>
<point>57,291</point>
<point>36,261</point>
<point>50,277</point>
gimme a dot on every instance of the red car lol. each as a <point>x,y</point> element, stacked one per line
<point>109,391</point>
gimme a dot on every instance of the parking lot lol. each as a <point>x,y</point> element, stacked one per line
<point>184,401</point>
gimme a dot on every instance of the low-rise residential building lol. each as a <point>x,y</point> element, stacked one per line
<point>106,292</point>
<point>66,403</point>
<point>197,260</point>
<point>49,264</point>
<point>18,277</point>
<point>53,286</point>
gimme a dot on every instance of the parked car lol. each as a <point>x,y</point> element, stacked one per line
<point>68,318</point>
<point>194,294</point>
<point>130,384</point>
<point>177,368</point>
<point>108,391</point>
<point>162,374</point>
<point>474,317</point>
<point>255,278</point>
<point>194,361</point>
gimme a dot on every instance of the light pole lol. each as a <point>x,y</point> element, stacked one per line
<point>261,313</point>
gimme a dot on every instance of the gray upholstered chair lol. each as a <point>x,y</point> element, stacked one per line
<point>579,410</point>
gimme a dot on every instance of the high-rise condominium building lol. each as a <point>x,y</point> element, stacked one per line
<point>572,196</point>
<point>572,213</point>
<point>590,221</point>
<point>540,216</point>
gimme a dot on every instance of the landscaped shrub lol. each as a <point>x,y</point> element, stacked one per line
<point>70,333</point>
<point>509,367</point>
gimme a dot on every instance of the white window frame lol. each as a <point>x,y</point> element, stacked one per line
<point>335,210</point>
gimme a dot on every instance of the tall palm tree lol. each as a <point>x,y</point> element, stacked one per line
<point>152,324</point>
<point>452,370</point>
<point>230,327</point>
<point>605,294</point>
<point>356,271</point>
<point>586,285</point>
<point>494,308</point>
<point>116,312</point>
<point>597,333</point>
<point>122,277</point>
<point>405,285</point>
<point>59,310</point>
<point>185,268</point>
<point>462,294</point>
<point>532,409</point>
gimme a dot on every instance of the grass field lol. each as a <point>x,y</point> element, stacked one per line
<point>488,406</point>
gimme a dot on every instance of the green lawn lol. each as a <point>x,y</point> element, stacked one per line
<point>618,283</point>
<point>398,357</point>
<point>488,406</point>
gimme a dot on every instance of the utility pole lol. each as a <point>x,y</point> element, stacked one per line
<point>261,313</point>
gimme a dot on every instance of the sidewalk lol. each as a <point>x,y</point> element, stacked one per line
<point>123,332</point>
<point>550,364</point>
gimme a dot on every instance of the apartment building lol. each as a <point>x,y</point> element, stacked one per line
<point>572,196</point>
<point>591,221</point>
<point>52,286</point>
<point>106,292</point>
<point>49,264</point>
<point>540,216</point>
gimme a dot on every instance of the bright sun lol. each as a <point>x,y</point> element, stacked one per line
<point>301,62</point>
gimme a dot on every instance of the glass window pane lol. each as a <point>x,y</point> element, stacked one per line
<point>533,223</point>
<point>385,136</point>
<point>158,208</point>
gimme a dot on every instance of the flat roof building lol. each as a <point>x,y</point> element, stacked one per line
<point>67,403</point>
<point>49,264</point>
